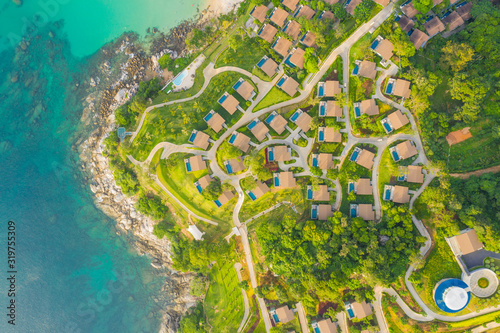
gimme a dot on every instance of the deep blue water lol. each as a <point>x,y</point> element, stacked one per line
<point>74,273</point>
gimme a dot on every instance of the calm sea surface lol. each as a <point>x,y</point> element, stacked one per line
<point>73,273</point>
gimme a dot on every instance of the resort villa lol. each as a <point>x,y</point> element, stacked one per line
<point>452,21</point>
<point>324,326</point>
<point>321,212</point>
<point>195,163</point>
<point>326,15</point>
<point>362,187</point>
<point>224,198</point>
<point>394,121</point>
<point>458,136</point>
<point>203,182</point>
<point>415,174</point>
<point>465,243</point>
<point>405,23</point>
<point>396,194</point>
<point>282,46</point>
<point>284,179</point>
<point>363,157</point>
<point>259,190</point>
<point>268,66</point>
<point>358,310</point>
<point>288,85</point>
<point>368,107</point>
<point>229,103</point>
<point>215,121</point>
<point>301,119</point>
<point>290,4</point>
<point>382,47</point>
<point>267,33</point>
<point>434,26</point>
<point>409,9</point>
<point>296,58</point>
<point>398,87</point>
<point>258,129</point>
<point>278,16</point>
<point>292,29</point>
<point>329,134</point>
<point>234,165</point>
<point>350,5</point>
<point>259,13</point>
<point>418,38</point>
<point>279,154</point>
<point>324,161</point>
<point>282,315</point>
<point>304,11</point>
<point>199,139</point>
<point>277,122</point>
<point>403,150</point>
<point>366,69</point>
<point>330,109</point>
<point>321,194</point>
<point>240,141</point>
<point>365,211</point>
<point>309,39</point>
<point>329,88</point>
<point>244,89</point>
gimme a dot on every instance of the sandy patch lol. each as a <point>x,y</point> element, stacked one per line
<point>218,7</point>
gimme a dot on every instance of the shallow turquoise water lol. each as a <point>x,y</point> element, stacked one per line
<point>74,274</point>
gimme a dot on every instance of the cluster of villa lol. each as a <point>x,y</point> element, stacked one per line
<point>354,310</point>
<point>450,19</point>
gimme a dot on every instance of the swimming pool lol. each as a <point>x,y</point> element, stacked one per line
<point>295,116</point>
<point>188,167</point>
<point>322,110</point>
<point>314,213</point>
<point>208,116</point>
<point>354,155</point>
<point>374,44</point>
<point>442,290</point>
<point>351,187</point>
<point>315,162</point>
<point>387,194</point>
<point>192,137</point>
<point>287,61</point>
<point>276,181</point>
<point>353,212</point>
<point>321,135</point>
<point>350,312</point>
<point>275,318</point>
<point>261,62</point>
<point>198,187</point>
<point>237,85</point>
<point>178,80</point>
<point>321,91</point>
<point>395,155</point>
<point>462,4</point>
<point>316,330</point>
<point>222,99</point>
<point>401,178</point>
<point>355,70</point>
<point>309,194</point>
<point>252,196</point>
<point>388,90</point>
<point>357,111</point>
<point>271,155</point>
<point>270,119</point>
<point>252,124</point>
<point>281,81</point>
<point>229,169</point>
<point>217,202</point>
<point>233,137</point>
<point>387,127</point>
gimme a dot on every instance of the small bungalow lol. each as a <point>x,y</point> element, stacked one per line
<point>434,26</point>
<point>288,85</point>
<point>364,187</point>
<point>195,163</point>
<point>214,120</point>
<point>418,38</point>
<point>258,129</point>
<point>323,212</point>
<point>277,122</point>
<point>409,10</point>
<point>324,161</point>
<point>296,58</point>
<point>463,10</point>
<point>367,69</point>
<point>326,15</point>
<point>195,232</point>
<point>452,21</point>
<point>329,88</point>
<point>203,182</point>
<point>325,325</point>
<point>267,33</point>
<point>330,109</point>
<point>358,310</point>
<point>465,243</point>
<point>234,165</point>
<point>458,136</point>
<point>290,4</point>
<point>309,39</point>
<point>394,121</point>
<point>321,194</point>
<point>304,11</point>
<point>199,139</point>
<point>329,134</point>
<point>284,179</point>
<point>278,16</point>
<point>281,46</point>
<point>363,157</point>
<point>403,150</point>
<point>405,23</point>
<point>415,174</point>
<point>401,88</point>
<point>244,89</point>
<point>292,29</point>
<point>259,190</point>
<point>369,107</point>
<point>282,315</point>
<point>382,47</point>
<point>259,13</point>
<point>229,103</point>
<point>350,5</point>
<point>240,141</point>
<point>268,66</point>
<point>400,194</point>
<point>224,198</point>
<point>365,211</point>
<point>279,154</point>
<point>301,119</point>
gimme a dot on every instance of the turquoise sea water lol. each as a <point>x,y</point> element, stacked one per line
<point>74,274</point>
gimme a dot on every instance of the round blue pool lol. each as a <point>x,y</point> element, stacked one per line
<point>452,295</point>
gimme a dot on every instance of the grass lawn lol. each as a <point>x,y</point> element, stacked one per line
<point>274,96</point>
<point>174,123</point>
<point>245,57</point>
<point>172,173</point>
<point>223,304</point>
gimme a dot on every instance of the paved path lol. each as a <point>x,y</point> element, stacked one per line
<point>342,322</point>
<point>302,317</point>
<point>237,267</point>
<point>493,169</point>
